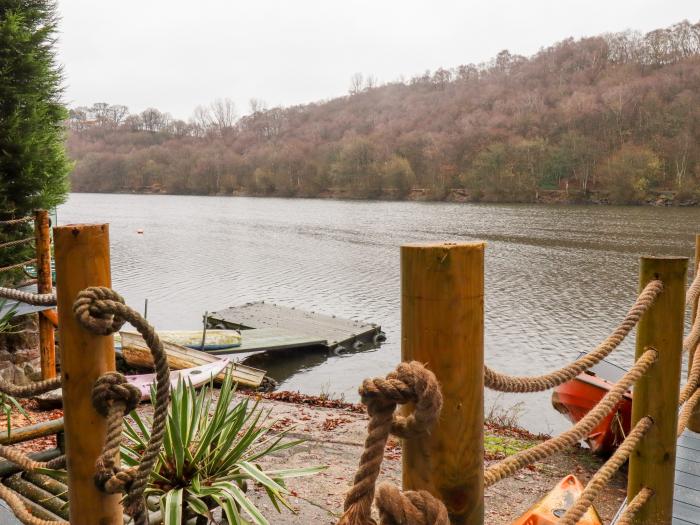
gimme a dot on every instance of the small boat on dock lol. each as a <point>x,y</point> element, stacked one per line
<point>575,398</point>
<point>554,505</point>
<point>207,341</point>
<point>197,376</point>
<point>136,353</point>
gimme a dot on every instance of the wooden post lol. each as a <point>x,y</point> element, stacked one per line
<point>47,347</point>
<point>652,464</point>
<point>82,260</point>
<point>694,421</point>
<point>442,324</point>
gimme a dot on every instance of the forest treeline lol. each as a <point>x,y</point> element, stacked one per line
<point>613,118</point>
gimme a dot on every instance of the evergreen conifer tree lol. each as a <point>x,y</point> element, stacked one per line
<point>33,163</point>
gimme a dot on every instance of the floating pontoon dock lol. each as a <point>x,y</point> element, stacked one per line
<point>269,326</point>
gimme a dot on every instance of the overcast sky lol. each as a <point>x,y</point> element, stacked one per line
<point>174,54</point>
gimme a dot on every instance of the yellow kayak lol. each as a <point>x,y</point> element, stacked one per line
<point>554,505</point>
<point>215,339</point>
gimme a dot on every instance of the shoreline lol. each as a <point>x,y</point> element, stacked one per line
<point>658,199</point>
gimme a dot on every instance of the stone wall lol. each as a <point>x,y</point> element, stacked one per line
<point>19,352</point>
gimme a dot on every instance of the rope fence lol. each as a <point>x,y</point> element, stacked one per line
<point>17,266</point>
<point>606,472</point>
<point>634,506</point>
<point>36,299</point>
<point>510,465</point>
<point>18,242</point>
<point>21,220</point>
<point>523,384</point>
<point>102,311</point>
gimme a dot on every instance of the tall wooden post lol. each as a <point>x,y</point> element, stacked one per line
<point>652,464</point>
<point>442,325</point>
<point>694,421</point>
<point>82,260</point>
<point>47,347</point>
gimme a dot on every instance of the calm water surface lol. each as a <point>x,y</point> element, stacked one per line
<point>557,278</point>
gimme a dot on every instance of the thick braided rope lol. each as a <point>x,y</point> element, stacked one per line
<point>635,506</point>
<point>691,340</point>
<point>36,299</point>
<point>410,383</point>
<point>606,472</point>
<point>522,384</point>
<point>693,291</point>
<point>692,383</point>
<point>31,389</point>
<point>687,411</point>
<point>25,462</point>
<point>102,311</point>
<point>15,502</point>
<point>10,244</point>
<point>17,266</point>
<point>20,510</point>
<point>21,220</point>
<point>510,465</point>
<point>409,508</point>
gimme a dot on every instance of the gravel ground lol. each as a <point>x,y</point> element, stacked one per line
<point>335,437</point>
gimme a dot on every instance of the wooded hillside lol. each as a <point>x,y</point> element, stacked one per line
<point>615,117</point>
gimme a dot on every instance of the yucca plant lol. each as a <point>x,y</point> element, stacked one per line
<point>209,455</point>
<point>7,402</point>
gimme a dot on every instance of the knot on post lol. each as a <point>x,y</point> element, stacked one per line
<point>95,307</point>
<point>113,480</point>
<point>114,387</point>
<point>409,383</point>
<point>410,507</point>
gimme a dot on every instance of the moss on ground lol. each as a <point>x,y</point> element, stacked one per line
<point>502,446</point>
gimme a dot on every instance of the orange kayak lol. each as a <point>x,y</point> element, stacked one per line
<point>554,505</point>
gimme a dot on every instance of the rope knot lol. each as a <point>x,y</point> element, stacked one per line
<point>410,507</point>
<point>94,308</point>
<point>113,480</point>
<point>409,383</point>
<point>111,388</point>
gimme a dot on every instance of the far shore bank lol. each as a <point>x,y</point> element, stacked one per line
<point>664,198</point>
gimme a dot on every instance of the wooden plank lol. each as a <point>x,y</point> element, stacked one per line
<point>334,330</point>
<point>136,353</point>
<point>268,339</point>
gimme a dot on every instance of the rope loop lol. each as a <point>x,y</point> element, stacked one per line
<point>94,309</point>
<point>410,507</point>
<point>409,383</point>
<point>113,388</point>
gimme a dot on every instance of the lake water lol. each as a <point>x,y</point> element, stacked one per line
<point>558,279</point>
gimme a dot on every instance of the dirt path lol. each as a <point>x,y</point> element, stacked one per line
<point>335,436</point>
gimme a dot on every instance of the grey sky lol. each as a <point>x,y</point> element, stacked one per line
<point>174,54</point>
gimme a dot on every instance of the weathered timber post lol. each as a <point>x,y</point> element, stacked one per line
<point>442,325</point>
<point>694,421</point>
<point>82,260</point>
<point>47,347</point>
<point>656,394</point>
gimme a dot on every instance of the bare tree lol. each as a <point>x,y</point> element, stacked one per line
<point>357,82</point>
<point>223,112</point>
<point>257,105</point>
<point>202,119</point>
<point>153,120</point>
<point>117,113</point>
